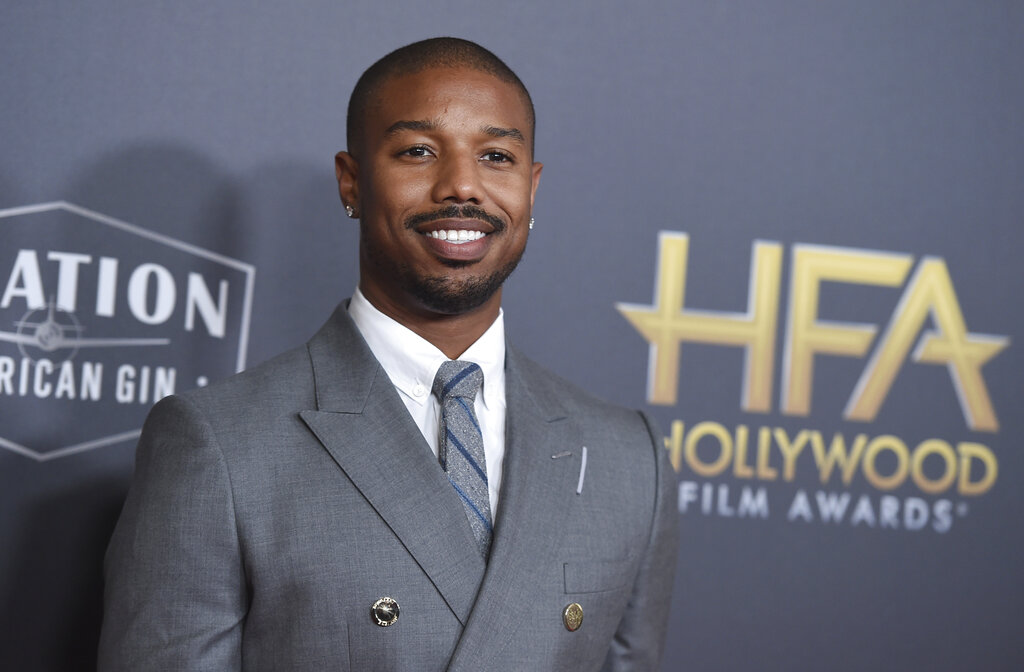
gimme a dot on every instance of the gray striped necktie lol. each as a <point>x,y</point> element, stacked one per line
<point>461,445</point>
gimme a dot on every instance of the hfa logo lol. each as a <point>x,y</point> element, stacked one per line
<point>99,319</point>
<point>927,327</point>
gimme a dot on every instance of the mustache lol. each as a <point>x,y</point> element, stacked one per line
<point>456,212</point>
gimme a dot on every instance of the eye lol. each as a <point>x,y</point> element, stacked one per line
<point>416,152</point>
<point>497,156</point>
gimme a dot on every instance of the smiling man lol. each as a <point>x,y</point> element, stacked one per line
<point>405,491</point>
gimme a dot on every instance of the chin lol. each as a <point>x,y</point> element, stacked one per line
<point>451,296</point>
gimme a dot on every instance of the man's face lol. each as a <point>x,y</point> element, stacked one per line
<point>443,181</point>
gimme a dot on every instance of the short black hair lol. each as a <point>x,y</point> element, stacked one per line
<point>436,52</point>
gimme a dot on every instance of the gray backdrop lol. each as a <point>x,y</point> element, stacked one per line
<point>195,140</point>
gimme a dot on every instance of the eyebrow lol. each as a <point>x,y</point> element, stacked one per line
<point>423,125</point>
<point>497,132</point>
<point>429,125</point>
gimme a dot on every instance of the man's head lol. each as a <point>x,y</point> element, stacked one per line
<point>440,173</point>
<point>437,52</point>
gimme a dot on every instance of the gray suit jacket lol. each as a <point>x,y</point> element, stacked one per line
<point>270,511</point>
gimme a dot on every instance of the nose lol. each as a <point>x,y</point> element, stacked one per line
<point>458,180</point>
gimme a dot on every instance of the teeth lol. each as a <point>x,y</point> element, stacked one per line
<point>457,235</point>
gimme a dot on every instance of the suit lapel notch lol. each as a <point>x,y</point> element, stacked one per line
<point>344,369</point>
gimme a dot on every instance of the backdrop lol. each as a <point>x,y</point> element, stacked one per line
<point>791,230</point>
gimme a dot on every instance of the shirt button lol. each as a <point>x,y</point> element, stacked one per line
<point>419,390</point>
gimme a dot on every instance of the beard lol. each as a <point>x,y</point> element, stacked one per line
<point>442,293</point>
<point>447,295</point>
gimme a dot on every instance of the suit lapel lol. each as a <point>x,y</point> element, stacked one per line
<point>536,494</point>
<point>366,428</point>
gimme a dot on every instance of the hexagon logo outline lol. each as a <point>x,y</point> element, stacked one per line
<point>248,270</point>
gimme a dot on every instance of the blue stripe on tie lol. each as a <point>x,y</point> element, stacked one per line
<point>469,413</point>
<point>486,523</point>
<point>472,462</point>
<point>455,381</point>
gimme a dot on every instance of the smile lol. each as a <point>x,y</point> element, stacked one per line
<point>456,235</point>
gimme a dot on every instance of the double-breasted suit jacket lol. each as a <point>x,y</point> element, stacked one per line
<point>268,513</point>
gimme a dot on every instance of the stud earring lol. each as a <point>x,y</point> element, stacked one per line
<point>350,211</point>
<point>531,223</point>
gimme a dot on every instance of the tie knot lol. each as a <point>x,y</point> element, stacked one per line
<point>457,379</point>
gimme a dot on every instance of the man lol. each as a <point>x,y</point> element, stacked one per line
<point>345,506</point>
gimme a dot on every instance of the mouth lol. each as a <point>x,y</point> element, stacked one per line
<point>457,242</point>
<point>456,236</point>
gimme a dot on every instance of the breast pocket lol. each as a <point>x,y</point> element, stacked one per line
<point>599,592</point>
<point>597,576</point>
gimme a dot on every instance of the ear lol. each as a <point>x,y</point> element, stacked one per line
<point>347,171</point>
<point>535,180</point>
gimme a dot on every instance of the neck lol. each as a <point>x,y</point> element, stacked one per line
<point>451,334</point>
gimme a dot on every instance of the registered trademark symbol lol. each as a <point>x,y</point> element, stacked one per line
<point>961,509</point>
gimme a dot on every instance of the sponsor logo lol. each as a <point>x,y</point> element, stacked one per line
<point>927,326</point>
<point>99,319</point>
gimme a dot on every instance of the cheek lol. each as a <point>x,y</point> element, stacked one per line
<point>512,196</point>
<point>396,192</point>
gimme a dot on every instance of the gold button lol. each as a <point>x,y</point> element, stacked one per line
<point>384,611</point>
<point>573,617</point>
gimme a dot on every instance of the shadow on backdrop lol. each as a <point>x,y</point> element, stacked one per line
<point>65,509</point>
<point>54,593</point>
<point>285,219</point>
<point>303,246</point>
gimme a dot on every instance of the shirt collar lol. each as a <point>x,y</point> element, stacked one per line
<point>411,361</point>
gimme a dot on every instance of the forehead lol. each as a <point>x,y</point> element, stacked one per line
<point>450,96</point>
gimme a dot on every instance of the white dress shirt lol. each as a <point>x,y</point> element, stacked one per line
<point>411,363</point>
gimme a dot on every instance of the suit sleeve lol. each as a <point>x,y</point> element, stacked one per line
<point>175,595</point>
<point>640,637</point>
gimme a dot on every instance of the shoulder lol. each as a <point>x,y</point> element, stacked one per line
<point>624,452</point>
<point>625,448</point>
<point>283,382</point>
<point>251,408</point>
<point>550,388</point>
<point>287,382</point>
